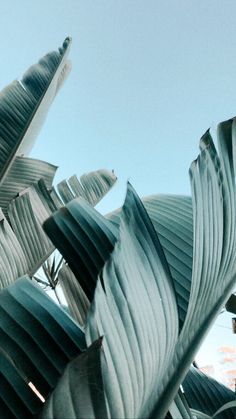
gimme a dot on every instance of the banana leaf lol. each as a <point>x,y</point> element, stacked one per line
<point>24,105</point>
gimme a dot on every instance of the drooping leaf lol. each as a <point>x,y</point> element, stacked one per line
<point>79,393</point>
<point>84,239</point>
<point>37,338</point>
<point>207,395</point>
<point>77,301</point>
<point>13,263</point>
<point>24,104</point>
<point>26,214</point>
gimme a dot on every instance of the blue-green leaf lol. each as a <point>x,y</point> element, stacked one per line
<point>24,105</point>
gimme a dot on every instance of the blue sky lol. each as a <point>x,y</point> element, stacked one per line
<point>148,78</point>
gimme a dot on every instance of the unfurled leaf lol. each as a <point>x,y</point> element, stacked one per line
<point>214,268</point>
<point>79,393</point>
<point>137,314</point>
<point>24,105</point>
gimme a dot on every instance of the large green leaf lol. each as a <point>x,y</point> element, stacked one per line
<point>137,314</point>
<point>214,268</point>
<point>24,104</point>
<point>213,273</point>
<point>37,340</point>
<point>146,356</point>
<point>172,219</point>
<point>79,393</point>
<point>205,394</point>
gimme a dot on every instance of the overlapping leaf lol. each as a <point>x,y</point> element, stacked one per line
<point>37,340</point>
<point>212,278</point>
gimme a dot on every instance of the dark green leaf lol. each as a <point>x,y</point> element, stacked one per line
<point>38,337</point>
<point>85,239</point>
<point>205,394</point>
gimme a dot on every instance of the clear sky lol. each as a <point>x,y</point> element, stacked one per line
<point>148,78</point>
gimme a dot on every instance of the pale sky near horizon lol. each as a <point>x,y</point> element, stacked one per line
<point>148,78</point>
